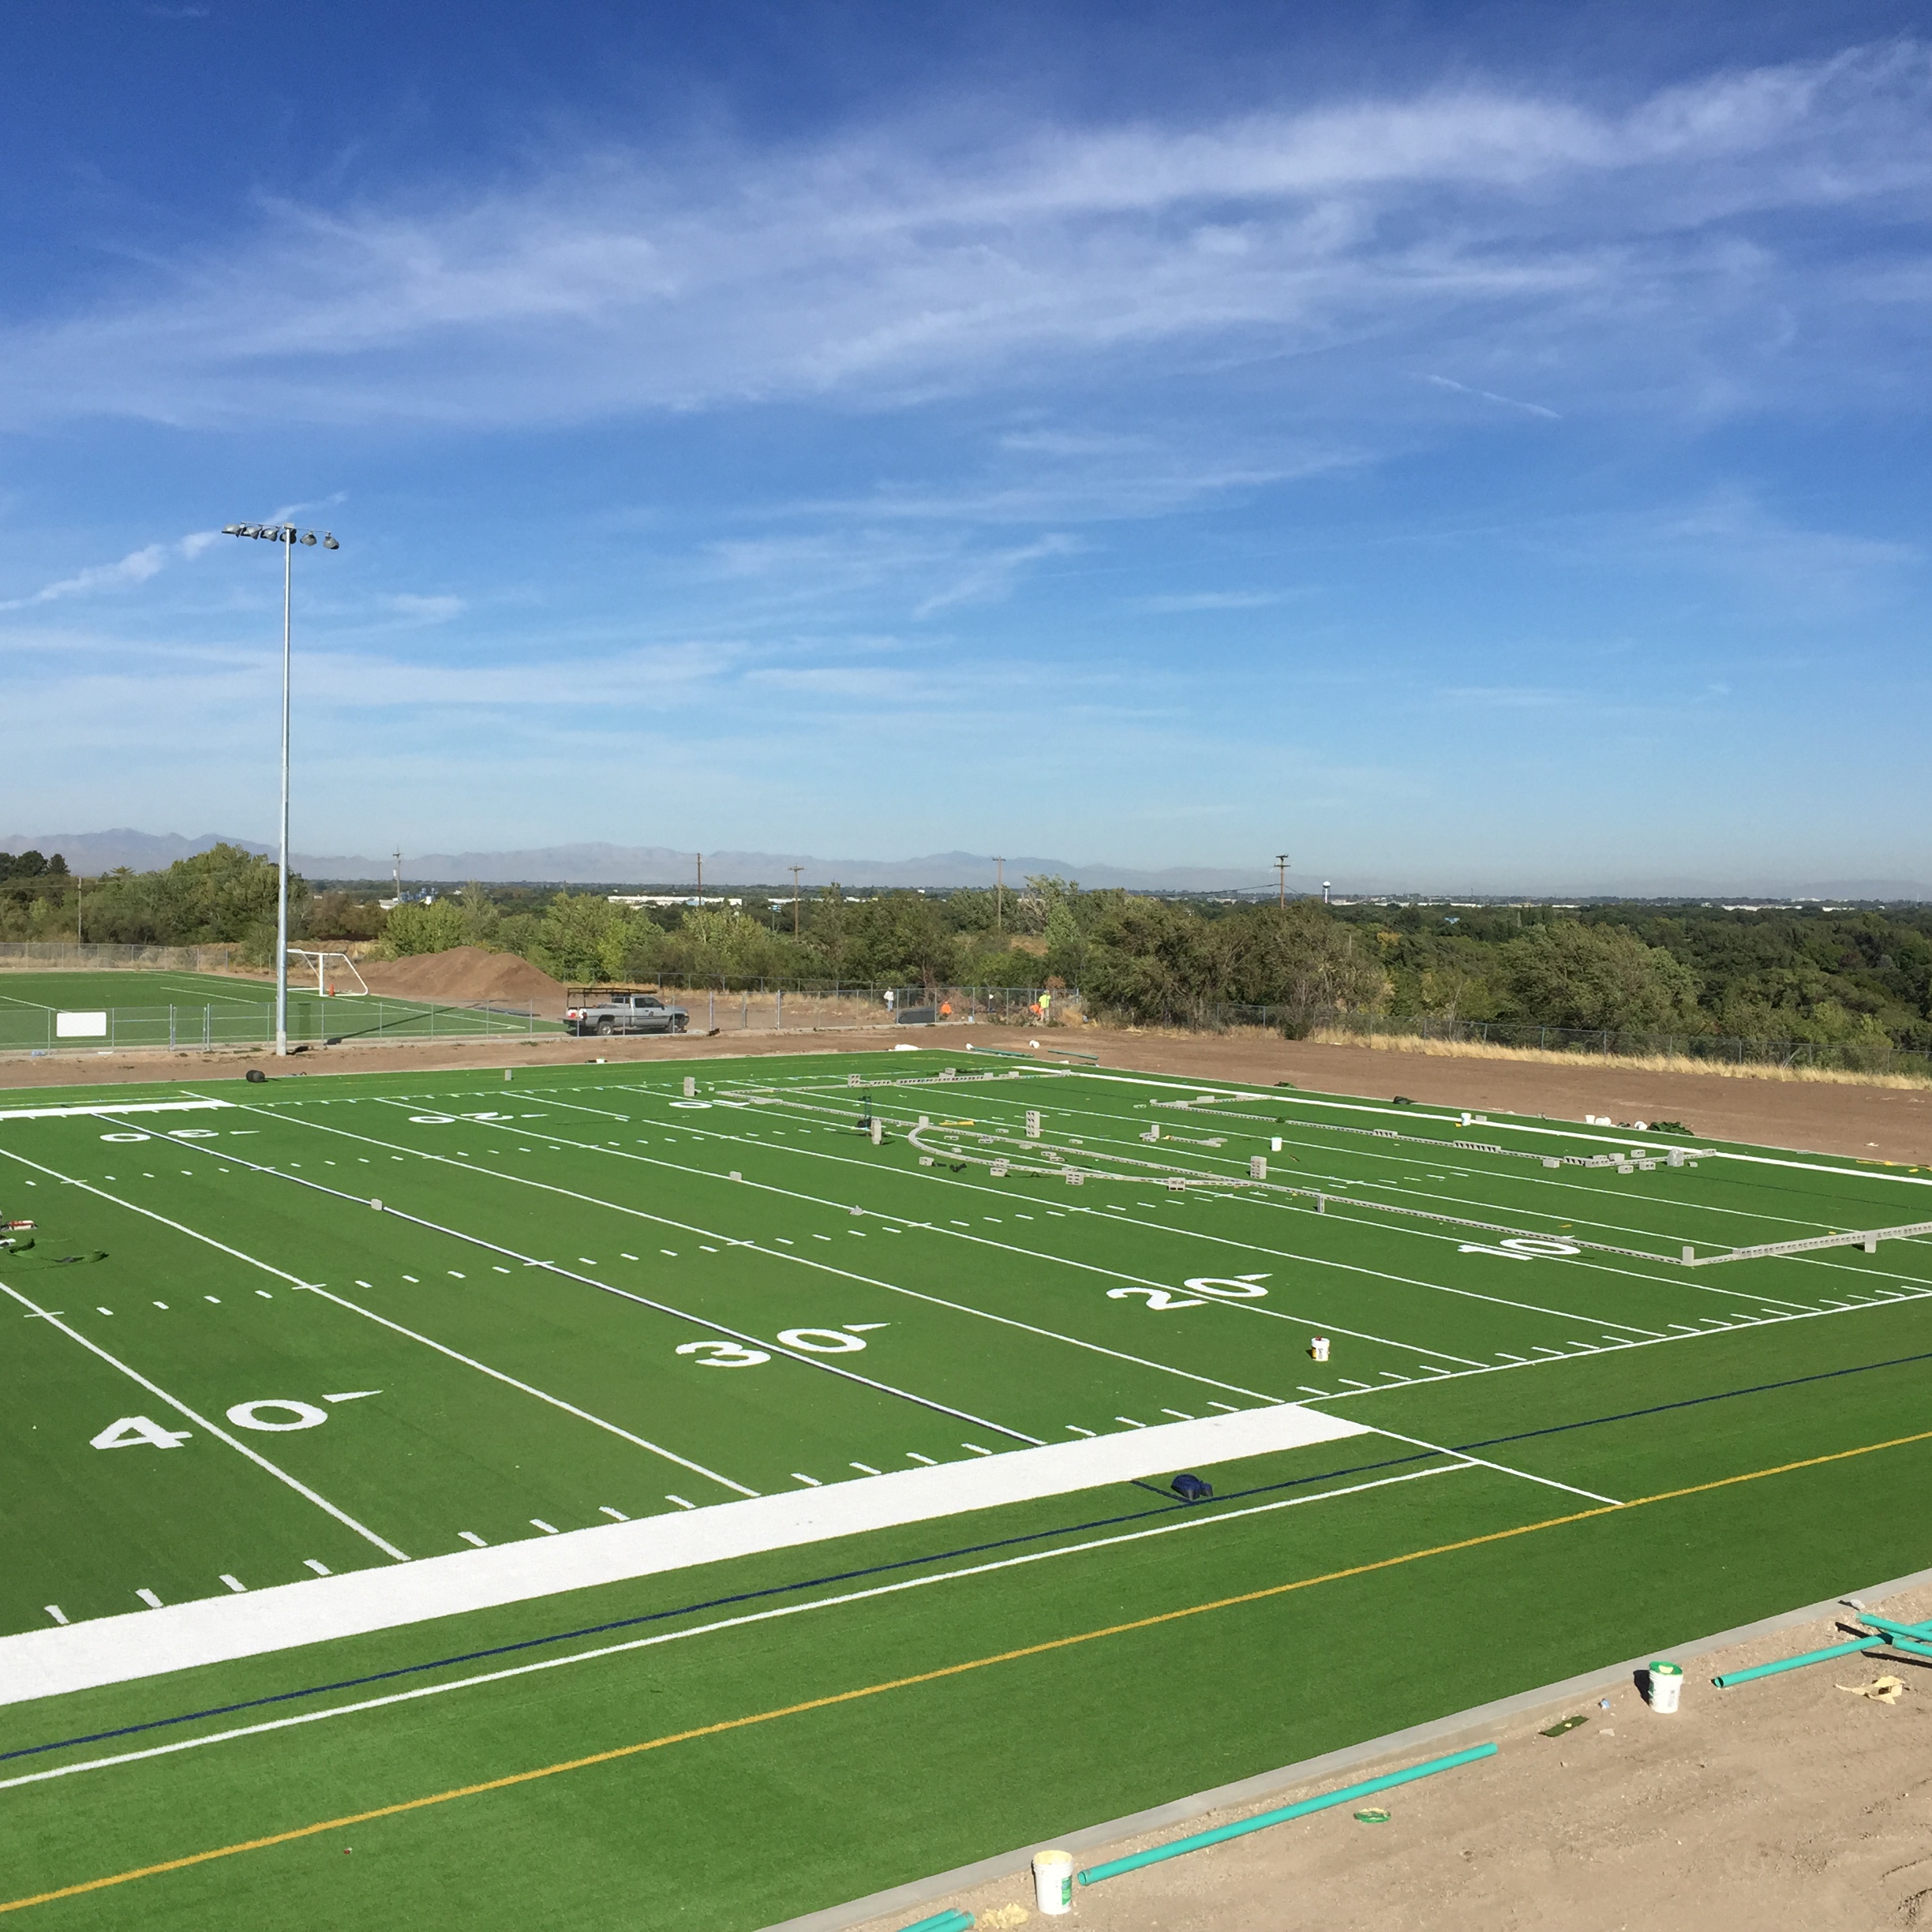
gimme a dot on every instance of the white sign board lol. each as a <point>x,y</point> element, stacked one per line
<point>81,1026</point>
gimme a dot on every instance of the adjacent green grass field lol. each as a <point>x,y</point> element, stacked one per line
<point>589,1295</point>
<point>195,1009</point>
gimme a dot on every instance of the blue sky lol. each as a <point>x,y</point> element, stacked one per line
<point>1463,446</point>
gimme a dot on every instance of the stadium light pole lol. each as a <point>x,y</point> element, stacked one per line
<point>795,870</point>
<point>999,894</point>
<point>288,537</point>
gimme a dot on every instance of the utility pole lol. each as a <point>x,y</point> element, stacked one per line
<point>398,856</point>
<point>700,858</point>
<point>795,871</point>
<point>1281,881</point>
<point>999,894</point>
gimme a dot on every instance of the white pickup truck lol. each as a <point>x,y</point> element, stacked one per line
<point>606,1010</point>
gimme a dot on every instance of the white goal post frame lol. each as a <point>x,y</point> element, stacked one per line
<point>309,956</point>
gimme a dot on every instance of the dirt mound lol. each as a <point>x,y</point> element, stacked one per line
<point>465,973</point>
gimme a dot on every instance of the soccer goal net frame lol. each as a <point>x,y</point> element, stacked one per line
<point>331,970</point>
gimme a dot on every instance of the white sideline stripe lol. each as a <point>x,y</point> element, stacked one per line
<point>116,1650</point>
<point>723,1623</point>
<point>110,1106</point>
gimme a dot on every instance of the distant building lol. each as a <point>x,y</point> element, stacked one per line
<point>667,899</point>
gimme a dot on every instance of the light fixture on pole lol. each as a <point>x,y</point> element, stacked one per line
<point>288,537</point>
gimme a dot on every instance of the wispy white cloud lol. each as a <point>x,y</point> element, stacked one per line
<point>136,567</point>
<point>1490,395</point>
<point>1768,565</point>
<point>877,269</point>
<point>992,576</point>
<point>426,610</point>
<point>1181,602</point>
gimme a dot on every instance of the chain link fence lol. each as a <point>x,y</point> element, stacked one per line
<point>311,1021</point>
<point>43,956</point>
<point>728,1004</point>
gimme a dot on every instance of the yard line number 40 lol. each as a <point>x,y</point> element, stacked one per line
<point>276,1414</point>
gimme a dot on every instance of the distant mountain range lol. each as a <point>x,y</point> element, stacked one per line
<point>601,864</point>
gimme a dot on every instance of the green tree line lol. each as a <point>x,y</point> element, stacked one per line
<point>900,938</point>
<point>1779,973</point>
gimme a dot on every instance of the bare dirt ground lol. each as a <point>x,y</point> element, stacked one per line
<point>465,973</point>
<point>1879,1123</point>
<point>1886,1123</point>
<point>1783,1803</point>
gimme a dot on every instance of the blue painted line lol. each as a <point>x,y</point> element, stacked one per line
<point>1169,1507</point>
<point>1696,1402</point>
<point>913,1562</point>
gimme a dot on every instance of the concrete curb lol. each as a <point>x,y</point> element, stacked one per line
<point>928,1892</point>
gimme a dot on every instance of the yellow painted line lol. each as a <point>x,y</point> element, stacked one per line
<point>936,1676</point>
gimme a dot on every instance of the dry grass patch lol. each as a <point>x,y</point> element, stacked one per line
<point>1645,1063</point>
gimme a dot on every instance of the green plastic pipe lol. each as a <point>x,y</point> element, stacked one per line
<point>1911,1637</point>
<point>1909,1634</point>
<point>1261,1821</point>
<point>952,1919</point>
<point>1866,1644</point>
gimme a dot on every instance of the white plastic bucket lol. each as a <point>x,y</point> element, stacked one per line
<point>1318,1348</point>
<point>1052,1881</point>
<point>1666,1685</point>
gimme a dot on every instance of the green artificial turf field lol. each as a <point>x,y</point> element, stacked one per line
<point>213,1010</point>
<point>588,1297</point>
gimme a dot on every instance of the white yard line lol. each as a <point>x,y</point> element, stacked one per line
<point>49,1663</point>
<point>1595,1264</point>
<point>1449,1157</point>
<point>1126,1219</point>
<point>526,1388</point>
<point>1471,1365</point>
<point>1007,1246</point>
<point>772,1253</point>
<point>802,1357</point>
<point>295,1281</point>
<point>1588,1135</point>
<point>209,996</point>
<point>201,1421</point>
<point>1502,1469</point>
